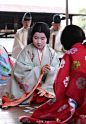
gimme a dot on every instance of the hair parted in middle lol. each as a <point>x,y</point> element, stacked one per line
<point>40,27</point>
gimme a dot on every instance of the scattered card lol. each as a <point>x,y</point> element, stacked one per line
<point>29,108</point>
<point>26,110</point>
<point>31,112</point>
<point>36,106</point>
<point>22,105</point>
<point>52,68</point>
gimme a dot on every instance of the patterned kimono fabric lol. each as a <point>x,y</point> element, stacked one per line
<point>26,77</point>
<point>5,65</point>
<point>70,82</point>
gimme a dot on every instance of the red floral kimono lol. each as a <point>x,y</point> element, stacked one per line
<point>70,82</point>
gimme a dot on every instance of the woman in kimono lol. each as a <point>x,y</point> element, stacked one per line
<point>5,65</point>
<point>34,72</point>
<point>69,104</point>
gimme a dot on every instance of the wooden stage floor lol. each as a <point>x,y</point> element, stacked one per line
<point>10,115</point>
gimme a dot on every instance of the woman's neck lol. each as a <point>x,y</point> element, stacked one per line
<point>41,49</point>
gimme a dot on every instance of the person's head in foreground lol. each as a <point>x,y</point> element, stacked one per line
<point>26,20</point>
<point>40,35</point>
<point>56,23</point>
<point>71,35</point>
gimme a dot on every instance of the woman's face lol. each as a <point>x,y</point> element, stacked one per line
<point>39,40</point>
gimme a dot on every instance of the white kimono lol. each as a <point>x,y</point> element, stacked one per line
<point>26,72</point>
<point>20,41</point>
<point>57,46</point>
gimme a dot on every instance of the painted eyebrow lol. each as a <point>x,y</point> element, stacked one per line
<point>42,37</point>
<point>37,36</point>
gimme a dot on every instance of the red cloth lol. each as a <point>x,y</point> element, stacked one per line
<point>37,99</point>
<point>70,82</point>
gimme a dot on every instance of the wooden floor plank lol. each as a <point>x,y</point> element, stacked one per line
<point>10,115</point>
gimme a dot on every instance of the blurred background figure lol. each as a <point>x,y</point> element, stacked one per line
<point>22,35</point>
<point>55,33</point>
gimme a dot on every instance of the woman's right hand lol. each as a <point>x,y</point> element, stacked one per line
<point>45,68</point>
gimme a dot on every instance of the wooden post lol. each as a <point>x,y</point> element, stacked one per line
<point>70,20</point>
<point>67,16</point>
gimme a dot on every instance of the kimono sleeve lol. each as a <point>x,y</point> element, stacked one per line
<point>49,80</point>
<point>55,62</point>
<point>63,76</point>
<point>17,46</point>
<point>24,65</point>
<point>24,77</point>
<point>17,40</point>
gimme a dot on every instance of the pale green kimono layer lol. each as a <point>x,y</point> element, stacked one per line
<point>25,73</point>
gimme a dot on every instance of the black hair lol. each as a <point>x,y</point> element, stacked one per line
<point>71,34</point>
<point>56,19</point>
<point>41,27</point>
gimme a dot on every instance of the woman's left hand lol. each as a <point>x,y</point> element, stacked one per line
<point>41,92</point>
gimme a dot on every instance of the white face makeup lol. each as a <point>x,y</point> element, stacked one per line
<point>39,40</point>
